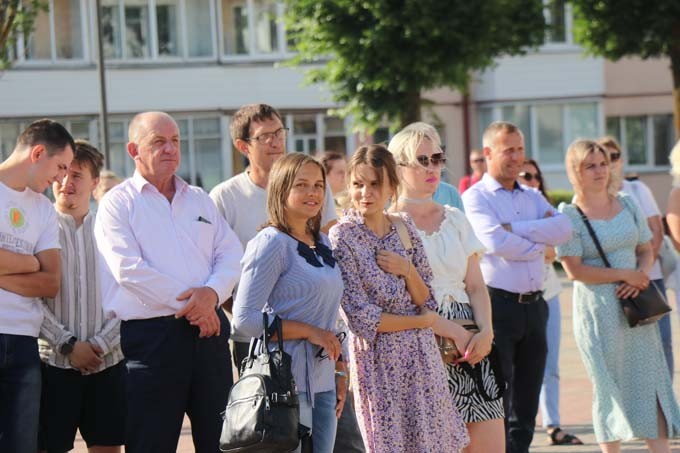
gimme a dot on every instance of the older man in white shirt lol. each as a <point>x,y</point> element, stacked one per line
<point>169,261</point>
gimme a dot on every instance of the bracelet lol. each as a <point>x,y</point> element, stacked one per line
<point>340,374</point>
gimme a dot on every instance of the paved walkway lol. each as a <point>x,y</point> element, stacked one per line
<point>575,398</point>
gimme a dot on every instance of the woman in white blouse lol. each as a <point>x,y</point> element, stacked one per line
<point>453,252</point>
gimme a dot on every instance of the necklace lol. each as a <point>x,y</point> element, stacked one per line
<point>416,200</point>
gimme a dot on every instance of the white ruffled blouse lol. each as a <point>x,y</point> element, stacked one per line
<point>448,250</point>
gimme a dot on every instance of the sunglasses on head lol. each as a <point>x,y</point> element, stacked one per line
<point>529,176</point>
<point>437,160</point>
<point>614,156</point>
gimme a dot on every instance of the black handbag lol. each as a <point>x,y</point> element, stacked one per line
<point>648,306</point>
<point>263,410</point>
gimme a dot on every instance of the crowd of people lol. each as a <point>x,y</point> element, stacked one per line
<point>417,319</point>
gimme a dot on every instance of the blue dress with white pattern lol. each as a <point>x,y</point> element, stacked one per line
<point>626,365</point>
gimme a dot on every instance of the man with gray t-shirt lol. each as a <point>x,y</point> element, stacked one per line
<point>258,133</point>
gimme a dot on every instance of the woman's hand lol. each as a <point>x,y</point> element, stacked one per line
<point>340,394</point>
<point>393,263</point>
<point>327,340</point>
<point>636,278</point>
<point>478,347</point>
<point>428,317</point>
<point>625,291</point>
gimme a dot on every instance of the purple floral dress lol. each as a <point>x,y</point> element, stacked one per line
<point>400,387</point>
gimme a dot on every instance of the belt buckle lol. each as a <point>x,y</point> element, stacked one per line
<point>521,299</point>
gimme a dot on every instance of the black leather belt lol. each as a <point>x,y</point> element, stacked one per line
<point>520,298</point>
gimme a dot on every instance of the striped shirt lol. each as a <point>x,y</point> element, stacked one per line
<point>77,309</point>
<point>278,280</point>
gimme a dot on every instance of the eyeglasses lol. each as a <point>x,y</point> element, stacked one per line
<point>479,160</point>
<point>437,160</point>
<point>277,135</point>
<point>529,176</point>
<point>614,156</point>
<point>322,355</point>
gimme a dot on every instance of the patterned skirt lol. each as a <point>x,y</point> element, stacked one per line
<point>469,402</point>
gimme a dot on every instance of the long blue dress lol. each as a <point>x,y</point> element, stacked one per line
<point>626,365</point>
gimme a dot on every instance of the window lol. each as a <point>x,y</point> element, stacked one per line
<point>558,18</point>
<point>200,147</point>
<point>252,27</point>
<point>548,128</point>
<point>646,139</point>
<point>157,29</point>
<point>10,130</point>
<point>521,116</point>
<point>304,134</point>
<point>335,137</point>
<point>58,34</point>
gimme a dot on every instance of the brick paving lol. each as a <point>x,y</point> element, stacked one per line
<point>575,398</point>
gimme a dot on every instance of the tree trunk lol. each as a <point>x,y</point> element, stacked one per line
<point>411,108</point>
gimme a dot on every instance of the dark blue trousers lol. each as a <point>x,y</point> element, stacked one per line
<point>20,380</point>
<point>519,333</point>
<point>170,372</point>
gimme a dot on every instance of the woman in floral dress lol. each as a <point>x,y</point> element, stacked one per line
<point>402,398</point>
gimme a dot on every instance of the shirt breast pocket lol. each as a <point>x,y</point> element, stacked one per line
<point>203,235</point>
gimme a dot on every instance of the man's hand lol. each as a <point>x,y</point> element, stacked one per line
<point>200,310</point>
<point>85,356</point>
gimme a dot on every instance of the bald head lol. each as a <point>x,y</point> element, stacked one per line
<point>144,122</point>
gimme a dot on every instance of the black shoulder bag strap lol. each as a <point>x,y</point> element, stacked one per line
<point>593,236</point>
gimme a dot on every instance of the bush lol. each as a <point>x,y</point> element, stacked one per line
<point>560,195</point>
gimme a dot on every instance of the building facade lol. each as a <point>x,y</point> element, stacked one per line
<point>201,59</point>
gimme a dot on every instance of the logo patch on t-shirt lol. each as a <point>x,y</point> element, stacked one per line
<point>16,217</point>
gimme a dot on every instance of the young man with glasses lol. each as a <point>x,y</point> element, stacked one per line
<point>478,165</point>
<point>258,133</point>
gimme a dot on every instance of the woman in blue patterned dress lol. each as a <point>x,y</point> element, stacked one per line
<point>401,393</point>
<point>632,393</point>
<point>289,271</point>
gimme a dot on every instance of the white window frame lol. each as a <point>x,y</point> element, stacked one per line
<point>254,55</point>
<point>650,142</point>
<point>84,34</point>
<point>568,44</point>
<point>564,104</point>
<point>183,36</point>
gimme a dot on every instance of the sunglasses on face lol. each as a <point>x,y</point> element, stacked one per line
<point>614,157</point>
<point>529,176</point>
<point>322,354</point>
<point>437,160</point>
<point>479,160</point>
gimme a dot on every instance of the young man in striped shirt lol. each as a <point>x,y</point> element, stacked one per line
<point>84,374</point>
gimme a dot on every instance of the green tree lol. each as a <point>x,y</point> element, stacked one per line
<point>16,17</point>
<point>378,56</point>
<point>643,28</point>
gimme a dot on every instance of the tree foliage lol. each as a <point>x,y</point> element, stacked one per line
<point>620,28</point>
<point>377,56</point>
<point>16,17</point>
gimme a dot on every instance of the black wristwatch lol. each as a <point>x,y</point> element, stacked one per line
<point>67,348</point>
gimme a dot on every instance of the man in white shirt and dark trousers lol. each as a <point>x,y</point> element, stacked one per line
<point>169,261</point>
<point>83,375</point>
<point>258,133</point>
<point>29,269</point>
